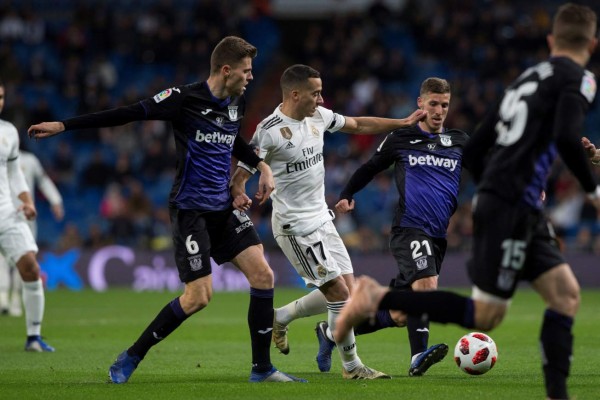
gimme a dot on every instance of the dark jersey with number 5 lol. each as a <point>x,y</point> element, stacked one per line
<point>541,115</point>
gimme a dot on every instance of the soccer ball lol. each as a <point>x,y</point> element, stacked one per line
<point>475,353</point>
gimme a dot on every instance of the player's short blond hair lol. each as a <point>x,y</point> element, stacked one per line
<point>574,26</point>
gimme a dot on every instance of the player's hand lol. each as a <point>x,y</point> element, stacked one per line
<point>266,183</point>
<point>343,206</point>
<point>58,211</point>
<point>418,115</point>
<point>28,210</point>
<point>242,202</point>
<point>590,150</point>
<point>45,129</point>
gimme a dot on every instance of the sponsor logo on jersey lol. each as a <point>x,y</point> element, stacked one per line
<point>205,112</point>
<point>233,112</point>
<point>446,140</point>
<point>588,87</point>
<point>302,165</point>
<point>286,132</point>
<point>290,145</point>
<point>214,137</point>
<point>163,95</point>
<point>415,141</point>
<point>195,262</point>
<point>433,161</point>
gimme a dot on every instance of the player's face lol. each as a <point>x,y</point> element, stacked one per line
<point>239,75</point>
<point>309,97</point>
<point>436,105</point>
<point>1,98</point>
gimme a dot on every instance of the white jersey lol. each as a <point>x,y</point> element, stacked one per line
<point>9,152</point>
<point>34,174</point>
<point>294,151</point>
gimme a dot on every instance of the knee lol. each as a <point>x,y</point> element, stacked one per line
<point>194,302</point>
<point>567,303</point>
<point>263,278</point>
<point>398,317</point>
<point>28,268</point>
<point>488,316</point>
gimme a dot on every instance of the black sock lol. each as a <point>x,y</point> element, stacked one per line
<point>167,320</point>
<point>557,347</point>
<point>443,307</point>
<point>418,333</point>
<point>383,319</point>
<point>260,319</point>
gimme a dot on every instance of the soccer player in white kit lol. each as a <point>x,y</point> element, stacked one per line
<point>16,240</point>
<point>10,282</point>
<point>291,141</point>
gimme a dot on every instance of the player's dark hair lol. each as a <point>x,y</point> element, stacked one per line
<point>230,51</point>
<point>297,75</point>
<point>574,26</point>
<point>434,85</point>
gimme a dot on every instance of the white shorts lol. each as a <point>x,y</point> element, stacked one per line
<point>16,239</point>
<point>317,257</point>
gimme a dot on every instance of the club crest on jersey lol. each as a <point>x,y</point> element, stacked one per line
<point>286,132</point>
<point>446,140</point>
<point>163,95</point>
<point>321,271</point>
<point>421,263</point>
<point>195,262</point>
<point>315,131</point>
<point>233,112</point>
<point>219,120</point>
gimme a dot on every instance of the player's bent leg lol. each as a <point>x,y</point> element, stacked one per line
<point>560,290</point>
<point>252,263</point>
<point>489,309</point>
<point>362,306</point>
<point>313,303</point>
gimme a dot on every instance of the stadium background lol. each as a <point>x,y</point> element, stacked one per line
<point>61,58</point>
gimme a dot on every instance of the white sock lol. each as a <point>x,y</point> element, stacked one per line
<point>347,347</point>
<point>33,299</point>
<point>4,283</point>
<point>314,303</point>
<point>16,289</point>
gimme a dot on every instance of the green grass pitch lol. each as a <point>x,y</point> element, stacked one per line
<point>209,356</point>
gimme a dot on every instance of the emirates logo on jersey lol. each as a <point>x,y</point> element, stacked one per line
<point>286,133</point>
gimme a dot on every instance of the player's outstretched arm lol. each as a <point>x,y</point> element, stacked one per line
<point>376,125</point>
<point>45,129</point>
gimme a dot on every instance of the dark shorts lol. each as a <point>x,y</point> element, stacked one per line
<point>510,244</point>
<point>200,235</point>
<point>417,255</point>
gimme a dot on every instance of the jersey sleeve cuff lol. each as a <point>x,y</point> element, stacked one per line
<point>246,167</point>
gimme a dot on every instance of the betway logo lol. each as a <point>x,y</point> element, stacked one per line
<point>432,161</point>
<point>215,137</point>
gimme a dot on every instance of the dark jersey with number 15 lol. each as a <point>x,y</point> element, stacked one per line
<point>541,115</point>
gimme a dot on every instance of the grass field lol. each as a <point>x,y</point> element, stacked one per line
<point>209,356</point>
